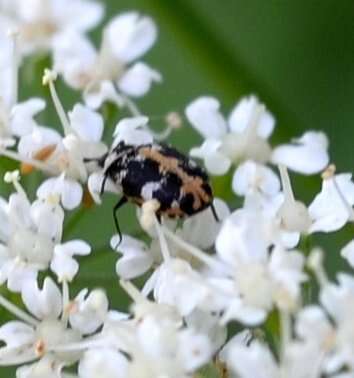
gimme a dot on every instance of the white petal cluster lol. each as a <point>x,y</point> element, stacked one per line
<point>105,74</point>
<point>246,262</point>
<point>244,136</point>
<point>39,22</point>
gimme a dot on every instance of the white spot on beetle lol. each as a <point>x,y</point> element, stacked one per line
<point>148,189</point>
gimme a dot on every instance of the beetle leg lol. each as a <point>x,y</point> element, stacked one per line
<point>214,212</point>
<point>103,184</point>
<point>158,217</point>
<point>118,205</point>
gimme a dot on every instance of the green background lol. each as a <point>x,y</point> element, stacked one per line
<point>297,56</point>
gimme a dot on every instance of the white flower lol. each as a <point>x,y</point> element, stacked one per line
<point>43,334</point>
<point>313,326</point>
<point>137,81</point>
<point>300,360</point>
<point>69,191</point>
<point>103,362</point>
<point>201,229</point>
<point>175,283</point>
<point>260,278</point>
<point>253,361</point>
<point>136,258</point>
<point>152,344</point>
<point>338,300</point>
<point>132,131</point>
<point>308,154</point>
<point>29,234</point>
<point>208,324</point>
<point>63,264</point>
<point>39,21</point>
<point>332,207</point>
<point>143,308</point>
<point>22,114</point>
<point>83,131</point>
<point>47,367</point>
<point>38,139</point>
<point>88,310</point>
<point>243,136</point>
<point>244,234</point>
<point>138,34</point>
<point>126,38</point>
<point>161,350</point>
<point>251,177</point>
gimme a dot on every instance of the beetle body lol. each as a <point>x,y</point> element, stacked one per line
<point>156,171</point>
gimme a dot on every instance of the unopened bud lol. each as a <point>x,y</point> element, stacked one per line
<point>49,76</point>
<point>329,172</point>
<point>174,120</point>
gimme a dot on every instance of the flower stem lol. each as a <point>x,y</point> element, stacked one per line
<point>131,106</point>
<point>35,163</point>
<point>286,183</point>
<point>66,299</point>
<point>202,256</point>
<point>13,309</point>
<point>132,291</point>
<point>48,79</point>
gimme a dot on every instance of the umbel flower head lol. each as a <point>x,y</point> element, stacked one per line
<point>250,264</point>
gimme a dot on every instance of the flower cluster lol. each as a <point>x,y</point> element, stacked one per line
<point>248,266</point>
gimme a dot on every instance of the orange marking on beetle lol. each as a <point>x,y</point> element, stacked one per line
<point>190,184</point>
<point>174,212</point>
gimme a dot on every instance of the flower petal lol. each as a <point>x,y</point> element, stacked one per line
<point>45,302</point>
<point>133,265</point>
<point>22,114</point>
<point>328,211</point>
<point>201,229</point>
<point>137,80</point>
<point>104,91</point>
<point>307,155</point>
<point>87,124</point>
<point>90,311</point>
<point>215,162</point>
<point>252,177</point>
<point>74,247</point>
<point>132,131</point>
<point>69,190</point>
<point>204,115</point>
<point>244,113</point>
<point>74,57</point>
<point>103,362</point>
<point>130,35</point>
<point>76,14</point>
